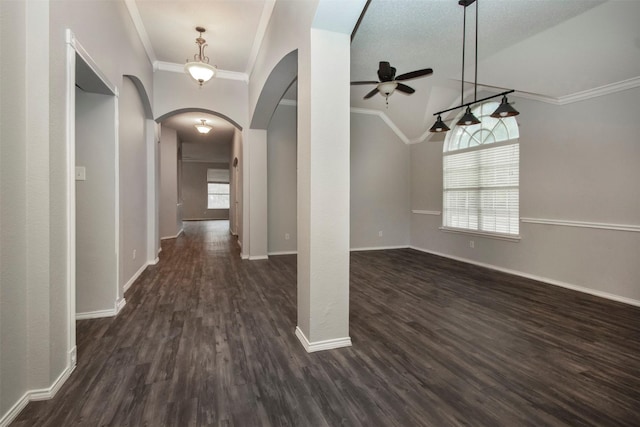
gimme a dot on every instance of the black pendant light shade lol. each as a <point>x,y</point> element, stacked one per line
<point>468,119</point>
<point>504,110</point>
<point>439,126</point>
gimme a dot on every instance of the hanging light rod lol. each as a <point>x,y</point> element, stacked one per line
<point>475,102</point>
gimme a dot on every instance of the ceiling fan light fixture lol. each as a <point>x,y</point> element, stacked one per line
<point>199,69</point>
<point>504,110</point>
<point>203,127</point>
<point>439,126</point>
<point>387,88</point>
<point>468,119</point>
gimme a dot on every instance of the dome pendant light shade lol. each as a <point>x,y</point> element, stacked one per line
<point>468,119</point>
<point>199,69</point>
<point>387,88</point>
<point>504,110</point>
<point>439,126</point>
<point>203,127</point>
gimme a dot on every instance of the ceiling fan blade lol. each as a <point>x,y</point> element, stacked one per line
<point>370,82</point>
<point>404,88</point>
<point>385,71</point>
<point>370,94</point>
<point>415,74</point>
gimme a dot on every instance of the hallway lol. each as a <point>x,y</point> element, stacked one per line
<point>208,339</point>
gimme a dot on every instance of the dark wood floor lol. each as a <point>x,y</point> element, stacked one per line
<point>208,339</point>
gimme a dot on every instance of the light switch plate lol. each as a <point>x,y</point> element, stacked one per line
<point>81,173</point>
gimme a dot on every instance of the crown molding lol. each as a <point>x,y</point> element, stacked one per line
<point>220,74</point>
<point>134,13</point>
<point>267,11</point>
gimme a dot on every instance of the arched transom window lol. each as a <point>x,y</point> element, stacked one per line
<point>481,174</point>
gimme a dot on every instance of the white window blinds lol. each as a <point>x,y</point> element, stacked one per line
<point>481,189</point>
<point>481,169</point>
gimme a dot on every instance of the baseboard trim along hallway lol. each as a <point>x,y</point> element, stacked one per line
<point>322,345</point>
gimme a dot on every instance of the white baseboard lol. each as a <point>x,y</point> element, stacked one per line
<point>98,314</point>
<point>547,280</point>
<point>283,253</point>
<point>205,219</point>
<point>33,395</point>
<point>173,237</point>
<point>153,261</point>
<point>378,248</point>
<point>258,257</point>
<point>159,250</point>
<point>135,276</point>
<point>244,256</point>
<point>311,347</point>
<point>120,305</point>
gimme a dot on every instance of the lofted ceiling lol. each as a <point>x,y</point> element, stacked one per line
<point>552,50</point>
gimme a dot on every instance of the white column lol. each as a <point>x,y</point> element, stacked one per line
<point>323,191</point>
<point>255,156</point>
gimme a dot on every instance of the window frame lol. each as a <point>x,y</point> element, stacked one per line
<point>228,193</point>
<point>508,136</point>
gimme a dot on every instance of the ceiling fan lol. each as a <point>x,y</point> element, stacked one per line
<point>390,82</point>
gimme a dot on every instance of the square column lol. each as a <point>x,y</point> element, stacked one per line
<point>323,191</point>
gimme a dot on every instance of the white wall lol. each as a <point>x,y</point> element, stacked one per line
<point>170,215</point>
<point>96,231</point>
<point>133,184</point>
<point>579,162</point>
<point>282,180</point>
<point>380,172</point>
<point>14,319</point>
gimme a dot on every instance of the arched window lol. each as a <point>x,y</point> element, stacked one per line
<point>481,168</point>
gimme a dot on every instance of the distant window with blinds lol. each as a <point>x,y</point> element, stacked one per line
<point>217,189</point>
<point>481,169</point>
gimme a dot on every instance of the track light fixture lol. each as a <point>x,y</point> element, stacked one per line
<point>504,110</point>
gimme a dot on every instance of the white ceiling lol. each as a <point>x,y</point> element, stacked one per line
<point>552,49</point>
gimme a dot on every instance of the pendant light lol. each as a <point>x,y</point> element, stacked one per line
<point>199,69</point>
<point>504,110</point>
<point>203,127</point>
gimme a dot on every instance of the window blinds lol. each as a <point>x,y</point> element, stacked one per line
<point>481,189</point>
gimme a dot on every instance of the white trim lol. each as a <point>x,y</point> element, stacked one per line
<point>547,280</point>
<point>220,74</point>
<point>288,102</point>
<point>34,395</point>
<point>173,237</point>
<point>421,212</point>
<point>98,314</point>
<point>15,410</point>
<point>134,13</point>
<point>582,224</point>
<point>378,248</point>
<point>205,219</point>
<point>70,133</point>
<point>481,233</point>
<point>322,345</point>
<point>265,17</point>
<point>258,257</point>
<point>50,392</point>
<point>385,119</point>
<point>159,250</point>
<point>154,261</point>
<point>243,256</point>
<point>283,253</point>
<point>137,274</point>
<point>120,305</point>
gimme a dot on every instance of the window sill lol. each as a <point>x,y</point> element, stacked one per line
<point>507,237</point>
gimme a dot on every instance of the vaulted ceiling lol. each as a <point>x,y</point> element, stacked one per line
<point>550,50</point>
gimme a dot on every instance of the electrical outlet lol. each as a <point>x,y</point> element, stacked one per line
<point>134,254</point>
<point>286,236</point>
<point>472,244</point>
<point>380,233</point>
<point>81,173</point>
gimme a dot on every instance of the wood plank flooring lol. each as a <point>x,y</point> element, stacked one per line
<point>207,339</point>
